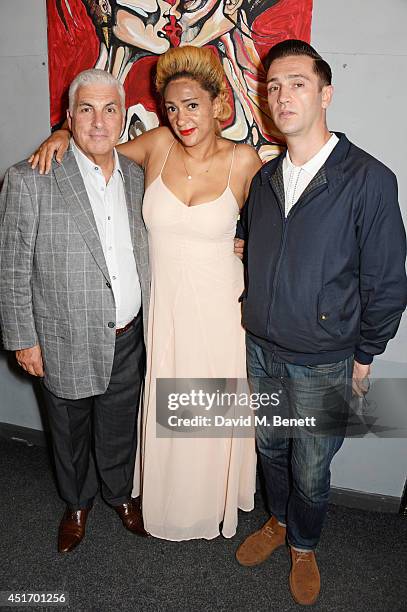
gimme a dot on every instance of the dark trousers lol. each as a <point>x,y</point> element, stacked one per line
<point>95,438</point>
<point>296,462</point>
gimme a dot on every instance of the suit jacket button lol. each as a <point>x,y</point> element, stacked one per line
<point>111,324</point>
<point>108,285</point>
<point>324,316</point>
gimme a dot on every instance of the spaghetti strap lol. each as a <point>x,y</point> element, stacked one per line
<point>166,157</point>
<point>231,163</point>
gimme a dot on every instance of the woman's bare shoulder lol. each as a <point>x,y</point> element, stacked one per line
<point>248,161</point>
<point>247,154</point>
<point>159,134</point>
<point>247,164</point>
<point>141,148</point>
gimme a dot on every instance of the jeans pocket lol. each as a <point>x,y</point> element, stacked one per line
<point>327,368</point>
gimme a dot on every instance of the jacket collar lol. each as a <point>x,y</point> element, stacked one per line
<point>87,166</point>
<point>332,169</point>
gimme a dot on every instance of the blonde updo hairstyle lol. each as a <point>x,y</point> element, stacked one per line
<point>199,64</point>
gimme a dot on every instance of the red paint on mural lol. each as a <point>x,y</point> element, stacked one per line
<point>72,47</point>
<point>286,19</point>
<point>139,84</point>
<point>173,30</point>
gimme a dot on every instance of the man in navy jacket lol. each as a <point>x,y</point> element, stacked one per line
<point>325,290</point>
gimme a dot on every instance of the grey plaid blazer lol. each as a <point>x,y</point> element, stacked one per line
<point>54,284</point>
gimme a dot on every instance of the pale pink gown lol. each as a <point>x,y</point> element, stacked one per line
<point>189,485</point>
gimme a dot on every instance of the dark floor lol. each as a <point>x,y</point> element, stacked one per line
<point>362,556</point>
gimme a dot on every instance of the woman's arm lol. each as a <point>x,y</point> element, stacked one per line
<point>137,150</point>
<point>248,164</point>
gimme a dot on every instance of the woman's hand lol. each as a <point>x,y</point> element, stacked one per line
<point>56,145</point>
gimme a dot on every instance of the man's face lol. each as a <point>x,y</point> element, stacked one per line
<point>96,120</point>
<point>296,99</point>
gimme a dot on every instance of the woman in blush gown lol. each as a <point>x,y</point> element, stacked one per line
<point>196,182</point>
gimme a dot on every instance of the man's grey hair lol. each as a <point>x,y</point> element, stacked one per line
<point>95,76</point>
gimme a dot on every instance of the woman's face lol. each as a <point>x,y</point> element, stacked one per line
<point>150,25</point>
<point>190,111</point>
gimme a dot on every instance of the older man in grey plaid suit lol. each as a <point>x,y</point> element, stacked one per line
<point>74,289</point>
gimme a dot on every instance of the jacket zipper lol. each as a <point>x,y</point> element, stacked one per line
<point>285,221</point>
<point>282,245</point>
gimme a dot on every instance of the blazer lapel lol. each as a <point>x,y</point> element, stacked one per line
<point>129,199</point>
<point>73,190</point>
<point>133,192</point>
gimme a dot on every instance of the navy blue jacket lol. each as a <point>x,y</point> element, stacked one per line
<point>329,280</point>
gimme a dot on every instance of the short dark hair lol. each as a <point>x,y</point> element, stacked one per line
<point>299,47</point>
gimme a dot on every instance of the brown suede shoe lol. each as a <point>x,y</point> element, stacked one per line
<point>72,529</point>
<point>260,544</point>
<point>132,517</point>
<point>305,582</point>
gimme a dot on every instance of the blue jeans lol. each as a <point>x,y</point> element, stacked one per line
<point>296,463</point>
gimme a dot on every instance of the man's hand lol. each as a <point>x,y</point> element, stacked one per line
<point>30,359</point>
<point>239,248</point>
<point>360,379</point>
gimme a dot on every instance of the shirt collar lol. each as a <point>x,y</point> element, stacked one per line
<point>87,166</point>
<point>312,166</point>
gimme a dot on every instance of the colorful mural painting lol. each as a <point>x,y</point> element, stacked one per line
<point>126,36</point>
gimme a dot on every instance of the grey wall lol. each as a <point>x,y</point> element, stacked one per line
<point>365,43</point>
<point>24,120</point>
<point>24,103</point>
<point>366,46</point>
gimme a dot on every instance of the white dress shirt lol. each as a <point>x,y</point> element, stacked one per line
<point>297,178</point>
<point>109,208</point>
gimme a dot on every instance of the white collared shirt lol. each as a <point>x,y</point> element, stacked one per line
<point>109,208</point>
<point>297,178</point>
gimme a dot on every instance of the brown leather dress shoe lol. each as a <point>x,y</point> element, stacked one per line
<point>132,517</point>
<point>305,582</point>
<point>259,545</point>
<point>72,529</point>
